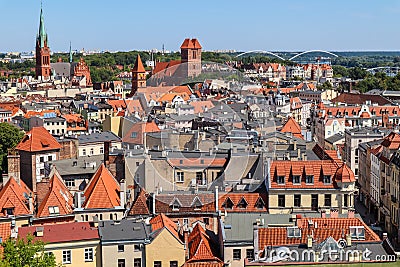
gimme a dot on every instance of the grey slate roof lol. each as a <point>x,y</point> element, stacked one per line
<point>67,166</point>
<point>124,231</point>
<point>334,138</point>
<point>98,138</point>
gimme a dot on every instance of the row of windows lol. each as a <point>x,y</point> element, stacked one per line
<point>314,200</point>
<point>91,151</point>
<point>137,262</point>
<point>309,179</point>
<point>67,255</point>
<point>237,254</point>
<point>55,123</point>
<point>121,248</point>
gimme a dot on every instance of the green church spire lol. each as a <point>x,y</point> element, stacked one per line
<point>42,36</point>
<point>70,53</point>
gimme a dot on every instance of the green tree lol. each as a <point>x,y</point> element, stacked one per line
<point>26,252</point>
<point>10,136</point>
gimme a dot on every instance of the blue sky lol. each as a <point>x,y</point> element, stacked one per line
<point>289,25</point>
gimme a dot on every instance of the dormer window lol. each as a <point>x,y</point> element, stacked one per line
<point>296,179</point>
<point>293,232</point>
<point>357,232</point>
<point>54,210</point>
<point>175,204</point>
<point>242,203</point>
<point>228,204</point>
<point>260,204</point>
<point>8,211</point>
<point>326,179</point>
<point>197,204</point>
<point>309,179</point>
<point>280,179</point>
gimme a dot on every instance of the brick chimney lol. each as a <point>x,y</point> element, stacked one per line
<point>14,166</point>
<point>107,145</point>
<point>334,213</point>
<point>186,240</point>
<point>42,188</point>
<point>350,213</point>
<point>323,214</point>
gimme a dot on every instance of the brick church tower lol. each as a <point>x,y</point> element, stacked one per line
<point>43,70</point>
<point>138,76</point>
<point>191,57</point>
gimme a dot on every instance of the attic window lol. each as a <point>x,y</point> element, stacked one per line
<point>242,203</point>
<point>309,179</point>
<point>357,232</point>
<point>326,179</point>
<point>293,232</point>
<point>175,204</point>
<point>54,210</point>
<point>280,179</point>
<point>134,135</point>
<point>45,143</point>
<point>296,179</point>
<point>260,204</point>
<point>228,204</point>
<point>196,204</point>
<point>8,211</point>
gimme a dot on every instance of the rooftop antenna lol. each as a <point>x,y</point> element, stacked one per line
<point>163,49</point>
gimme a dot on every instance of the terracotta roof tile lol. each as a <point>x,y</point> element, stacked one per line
<point>201,249</point>
<point>139,206</point>
<point>191,44</point>
<point>57,196</point>
<point>162,221</point>
<point>38,139</point>
<point>102,191</point>
<point>138,65</point>
<point>62,232</point>
<point>337,170</point>
<point>255,202</point>
<point>325,227</point>
<point>14,195</point>
<point>291,126</point>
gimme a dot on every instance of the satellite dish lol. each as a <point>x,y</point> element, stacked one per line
<point>342,243</point>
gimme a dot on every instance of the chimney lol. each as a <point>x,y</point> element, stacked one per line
<point>348,240</point>
<point>384,236</point>
<point>298,154</point>
<point>107,145</point>
<point>30,200</point>
<point>211,151</point>
<point>334,213</point>
<point>78,200</point>
<point>323,214</point>
<point>255,243</point>
<point>186,240</point>
<point>216,199</point>
<point>350,213</point>
<point>154,203</point>
<point>309,241</point>
<point>122,193</point>
<point>304,156</point>
<point>14,166</point>
<point>42,188</point>
<point>294,144</point>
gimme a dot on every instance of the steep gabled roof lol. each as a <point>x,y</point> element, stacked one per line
<point>291,126</point>
<point>14,195</point>
<point>162,221</point>
<point>201,249</point>
<point>57,196</point>
<point>139,206</point>
<point>191,44</point>
<point>102,191</point>
<point>38,139</point>
<point>138,65</point>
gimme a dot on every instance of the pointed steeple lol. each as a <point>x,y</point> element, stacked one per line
<point>70,53</point>
<point>138,65</point>
<point>42,36</point>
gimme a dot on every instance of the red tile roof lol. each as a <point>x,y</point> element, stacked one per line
<point>14,195</point>
<point>140,128</point>
<point>191,44</point>
<point>168,67</point>
<point>325,227</point>
<point>251,199</point>
<point>138,65</point>
<point>5,231</point>
<point>38,139</point>
<point>162,221</point>
<point>102,191</point>
<point>392,141</point>
<point>139,206</point>
<point>291,126</point>
<point>201,249</point>
<point>63,232</point>
<point>58,195</point>
<point>317,168</point>
<point>360,99</point>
